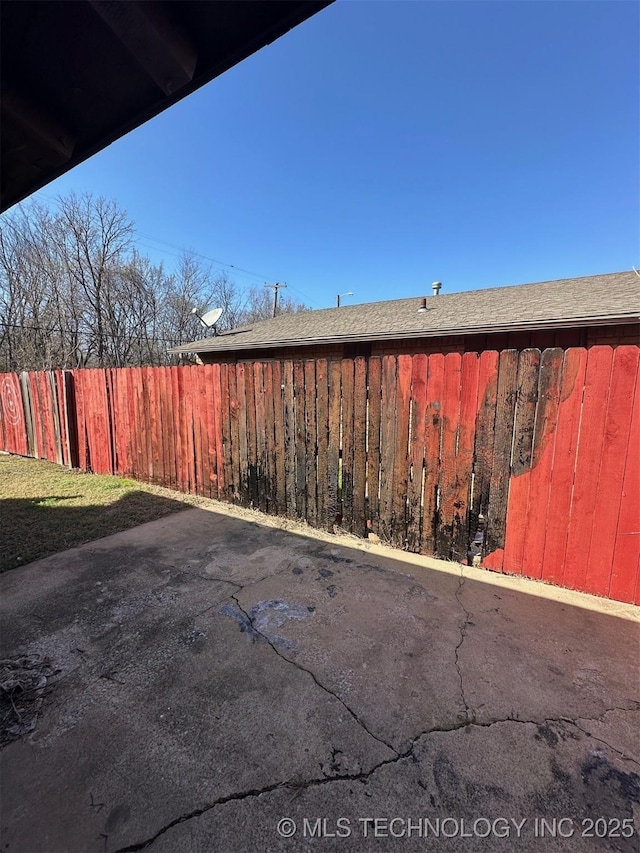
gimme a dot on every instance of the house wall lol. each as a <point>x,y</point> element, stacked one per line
<point>628,333</point>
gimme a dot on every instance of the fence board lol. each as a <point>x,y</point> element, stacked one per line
<point>499,483</point>
<point>311,440</point>
<point>373,443</point>
<point>564,457</point>
<point>289,418</point>
<point>464,456</point>
<point>347,444</point>
<point>322,384</point>
<point>610,481</point>
<point>269,444</point>
<point>400,452</point>
<point>58,378</point>
<point>333,459</point>
<point>219,417</point>
<point>419,369</point>
<point>300,443</point>
<point>359,446</point>
<point>387,445</point>
<point>15,414</point>
<point>450,422</point>
<point>433,423</point>
<point>589,453</point>
<point>483,449</point>
<point>523,431</point>
<point>622,585</point>
<point>278,428</point>
<point>542,457</point>
<point>259,403</point>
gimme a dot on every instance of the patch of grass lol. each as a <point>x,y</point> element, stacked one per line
<point>45,508</point>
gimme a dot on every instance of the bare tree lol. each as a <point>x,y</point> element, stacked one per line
<point>74,291</point>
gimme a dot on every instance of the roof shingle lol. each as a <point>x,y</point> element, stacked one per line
<point>609,298</point>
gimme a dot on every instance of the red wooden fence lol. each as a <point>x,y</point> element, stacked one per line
<point>532,455</point>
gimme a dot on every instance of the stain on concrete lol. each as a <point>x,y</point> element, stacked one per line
<point>265,617</point>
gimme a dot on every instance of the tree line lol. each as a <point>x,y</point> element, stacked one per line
<point>76,292</point>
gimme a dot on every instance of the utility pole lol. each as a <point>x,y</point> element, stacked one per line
<point>276,287</point>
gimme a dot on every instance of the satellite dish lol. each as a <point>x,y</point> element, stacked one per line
<point>211,317</point>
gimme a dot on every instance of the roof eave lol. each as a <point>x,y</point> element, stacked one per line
<point>573,323</point>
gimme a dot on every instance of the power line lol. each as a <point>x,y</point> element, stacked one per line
<point>240,271</point>
<point>83,332</point>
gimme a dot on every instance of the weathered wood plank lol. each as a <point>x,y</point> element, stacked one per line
<point>234,415</point>
<point>419,368</point>
<point>210,471</point>
<point>300,443</point>
<point>55,411</point>
<point>218,397</point>
<point>464,456</point>
<point>311,441</point>
<point>62,416</point>
<point>374,391</point>
<point>279,438</point>
<point>14,403</point>
<point>625,567</point>
<point>148,407</point>
<point>564,459</point>
<point>387,446</point>
<point>289,418</point>
<point>433,426</point>
<point>206,431</point>
<point>334,506</point>
<point>270,452</point>
<point>34,396</point>
<point>503,434</point>
<point>542,460</point>
<point>227,374</point>
<point>249,381</point>
<point>168,429</point>
<point>348,371</point>
<point>322,386</point>
<point>359,447</point>
<point>525,417</point>
<point>483,449</point>
<point>450,420</point>
<point>589,454</point>
<point>261,458</point>
<point>617,429</point>
<point>242,487</point>
<point>400,452</point>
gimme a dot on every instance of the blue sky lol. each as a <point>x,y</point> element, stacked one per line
<point>383,145</point>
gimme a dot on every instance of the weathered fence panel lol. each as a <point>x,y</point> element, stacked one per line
<point>528,459</point>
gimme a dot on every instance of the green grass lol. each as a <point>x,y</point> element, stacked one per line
<point>45,508</point>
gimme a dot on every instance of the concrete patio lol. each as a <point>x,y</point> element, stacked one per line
<point>218,684</point>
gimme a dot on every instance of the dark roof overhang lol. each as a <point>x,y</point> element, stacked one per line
<point>78,75</point>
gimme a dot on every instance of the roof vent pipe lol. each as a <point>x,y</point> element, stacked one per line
<point>423,305</point>
<point>436,287</point>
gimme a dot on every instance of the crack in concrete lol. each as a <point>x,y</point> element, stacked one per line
<point>258,792</point>
<point>316,782</point>
<point>468,711</point>
<point>323,687</point>
<point>619,752</point>
<point>239,586</point>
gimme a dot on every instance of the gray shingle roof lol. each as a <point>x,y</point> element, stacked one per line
<point>609,298</point>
